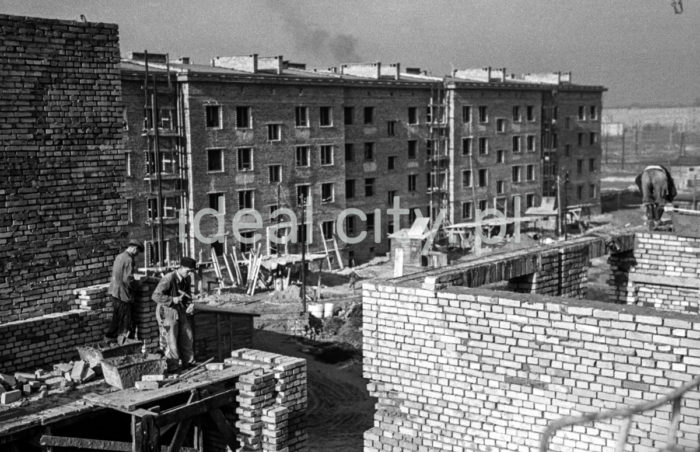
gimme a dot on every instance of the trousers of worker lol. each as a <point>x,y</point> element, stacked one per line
<point>175,336</point>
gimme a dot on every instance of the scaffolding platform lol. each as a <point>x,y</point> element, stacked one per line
<point>153,417</point>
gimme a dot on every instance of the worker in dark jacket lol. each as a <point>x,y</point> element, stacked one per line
<point>121,292</point>
<point>174,302</point>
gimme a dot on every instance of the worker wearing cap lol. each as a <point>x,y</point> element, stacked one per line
<point>121,291</point>
<point>174,302</point>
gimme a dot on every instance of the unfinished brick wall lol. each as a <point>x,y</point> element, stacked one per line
<point>561,272</point>
<point>662,273</point>
<point>559,269</point>
<point>60,210</point>
<point>45,340</point>
<point>469,369</point>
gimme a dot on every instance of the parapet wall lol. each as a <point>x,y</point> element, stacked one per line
<point>471,369</point>
<point>664,272</point>
<point>61,213</point>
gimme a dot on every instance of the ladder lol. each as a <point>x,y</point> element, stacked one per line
<point>336,252</point>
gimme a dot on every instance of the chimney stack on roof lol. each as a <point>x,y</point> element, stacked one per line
<point>486,74</point>
<point>247,63</point>
<point>273,64</point>
<point>366,70</point>
<point>152,57</point>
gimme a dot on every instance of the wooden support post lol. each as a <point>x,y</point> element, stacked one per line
<point>147,437</point>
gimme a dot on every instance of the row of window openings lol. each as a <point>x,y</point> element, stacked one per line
<point>499,204</point>
<point>246,198</point>
<point>483,145</point>
<point>483,177</point>
<point>214,117</point>
<point>483,115</point>
<point>244,159</point>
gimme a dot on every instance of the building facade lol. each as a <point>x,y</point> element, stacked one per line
<point>342,148</point>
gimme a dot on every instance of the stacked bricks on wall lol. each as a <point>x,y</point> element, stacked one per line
<point>272,401</point>
<point>473,369</point>
<point>665,272</point>
<point>61,159</point>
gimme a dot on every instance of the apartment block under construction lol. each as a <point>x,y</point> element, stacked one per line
<point>264,133</point>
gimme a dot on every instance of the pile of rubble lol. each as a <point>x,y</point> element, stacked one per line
<point>63,376</point>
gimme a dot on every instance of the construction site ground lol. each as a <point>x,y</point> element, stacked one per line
<point>340,409</point>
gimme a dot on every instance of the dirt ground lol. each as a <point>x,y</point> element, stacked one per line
<point>340,408</point>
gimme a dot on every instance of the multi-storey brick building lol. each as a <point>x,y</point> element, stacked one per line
<point>264,134</point>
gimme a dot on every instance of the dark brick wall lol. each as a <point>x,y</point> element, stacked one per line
<point>389,104</point>
<point>569,130</point>
<point>499,105</point>
<point>60,115</point>
<point>269,104</point>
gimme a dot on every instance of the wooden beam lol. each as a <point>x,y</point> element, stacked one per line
<point>179,436</point>
<point>196,408</point>
<point>659,280</point>
<point>93,444</point>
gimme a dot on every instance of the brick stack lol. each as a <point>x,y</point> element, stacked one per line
<point>256,393</point>
<point>272,401</point>
<point>92,298</point>
<point>472,369</point>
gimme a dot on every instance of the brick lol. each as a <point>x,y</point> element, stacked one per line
<point>10,397</point>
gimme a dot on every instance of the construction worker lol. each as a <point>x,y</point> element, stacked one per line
<point>121,291</point>
<point>174,302</point>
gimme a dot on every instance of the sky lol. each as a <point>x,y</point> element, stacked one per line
<point>640,50</point>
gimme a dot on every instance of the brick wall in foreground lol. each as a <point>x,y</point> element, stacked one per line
<point>469,369</point>
<point>52,338</point>
<point>61,214</point>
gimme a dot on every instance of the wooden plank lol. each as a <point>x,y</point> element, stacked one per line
<point>674,281</point>
<point>215,264</point>
<point>337,254</point>
<point>236,267</point>
<point>93,444</point>
<point>179,436</point>
<point>196,408</point>
<point>325,246</point>
<point>130,399</point>
<point>228,270</point>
